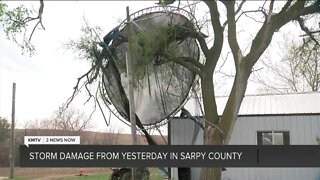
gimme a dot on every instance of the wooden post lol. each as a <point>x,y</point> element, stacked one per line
<point>130,86</point>
<point>11,156</point>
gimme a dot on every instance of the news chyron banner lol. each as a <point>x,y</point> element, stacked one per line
<point>31,140</point>
<point>169,156</point>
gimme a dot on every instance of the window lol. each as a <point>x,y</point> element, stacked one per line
<point>273,137</point>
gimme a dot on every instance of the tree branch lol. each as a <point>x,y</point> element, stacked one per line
<point>314,8</point>
<point>39,17</point>
<point>214,51</point>
<point>189,63</point>
<point>237,11</point>
<point>306,29</point>
<point>286,6</point>
<point>270,13</point>
<point>76,89</point>
<point>201,39</point>
<point>232,33</point>
<point>269,27</point>
<point>252,11</point>
<point>313,32</point>
<point>203,44</point>
<point>240,7</point>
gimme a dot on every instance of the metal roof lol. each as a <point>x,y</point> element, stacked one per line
<point>268,104</point>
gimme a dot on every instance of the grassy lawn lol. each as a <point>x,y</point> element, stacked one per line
<point>155,174</point>
<point>99,176</point>
<point>69,174</point>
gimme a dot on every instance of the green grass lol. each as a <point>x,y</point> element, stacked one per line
<point>24,177</point>
<point>155,174</point>
<point>99,176</point>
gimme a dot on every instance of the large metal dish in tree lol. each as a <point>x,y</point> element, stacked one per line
<point>160,85</point>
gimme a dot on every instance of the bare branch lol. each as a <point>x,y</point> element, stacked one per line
<point>34,28</point>
<point>286,6</point>
<point>267,30</point>
<point>232,33</point>
<point>201,39</point>
<point>215,50</point>
<point>306,30</point>
<point>237,11</point>
<point>252,11</point>
<point>314,8</point>
<point>189,63</point>
<point>240,7</point>
<point>312,32</point>
<point>203,44</point>
<point>224,61</point>
<point>262,81</point>
<point>39,18</point>
<point>270,13</point>
<point>77,89</point>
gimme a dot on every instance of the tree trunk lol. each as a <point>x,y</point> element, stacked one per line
<point>212,136</point>
<point>214,125</point>
<point>209,101</point>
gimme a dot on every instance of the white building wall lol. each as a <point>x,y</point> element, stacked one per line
<point>304,129</point>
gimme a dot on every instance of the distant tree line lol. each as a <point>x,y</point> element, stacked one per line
<point>67,123</point>
<point>4,141</point>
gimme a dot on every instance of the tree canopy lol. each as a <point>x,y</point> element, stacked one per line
<point>4,130</point>
<point>297,71</point>
<point>15,23</point>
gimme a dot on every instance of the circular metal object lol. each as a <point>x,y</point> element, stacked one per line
<point>161,85</point>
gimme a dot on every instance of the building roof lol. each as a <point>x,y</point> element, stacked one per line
<point>268,104</point>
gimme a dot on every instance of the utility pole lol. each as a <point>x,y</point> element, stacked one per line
<point>11,156</point>
<point>129,59</point>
